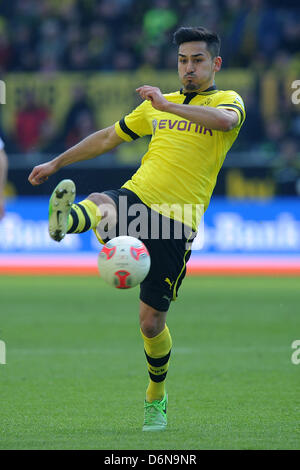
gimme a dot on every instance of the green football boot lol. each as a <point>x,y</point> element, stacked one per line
<point>60,205</point>
<point>155,418</point>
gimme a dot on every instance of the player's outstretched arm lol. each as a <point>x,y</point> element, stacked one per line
<point>95,144</point>
<point>210,117</point>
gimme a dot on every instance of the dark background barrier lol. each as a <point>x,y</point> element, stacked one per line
<point>242,183</point>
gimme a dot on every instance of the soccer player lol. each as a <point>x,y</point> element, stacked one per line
<point>192,131</point>
<point>3,176</point>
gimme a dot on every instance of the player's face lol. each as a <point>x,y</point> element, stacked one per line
<point>196,67</point>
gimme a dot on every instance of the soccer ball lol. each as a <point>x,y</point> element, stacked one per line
<point>124,262</point>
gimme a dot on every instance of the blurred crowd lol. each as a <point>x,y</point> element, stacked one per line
<point>117,35</point>
<point>50,35</point>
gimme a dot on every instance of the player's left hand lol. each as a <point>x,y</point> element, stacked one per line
<point>153,94</point>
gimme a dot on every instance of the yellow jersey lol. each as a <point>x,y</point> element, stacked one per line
<point>183,160</point>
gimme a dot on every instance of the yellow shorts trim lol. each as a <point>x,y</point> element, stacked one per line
<point>98,236</point>
<point>183,267</point>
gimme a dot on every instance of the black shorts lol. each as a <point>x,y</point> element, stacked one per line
<point>169,255</point>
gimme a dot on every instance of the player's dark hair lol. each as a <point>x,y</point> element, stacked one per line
<point>188,34</point>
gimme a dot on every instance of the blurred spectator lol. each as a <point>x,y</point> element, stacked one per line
<point>24,56</point>
<point>122,60</point>
<point>50,44</point>
<point>170,59</point>
<point>252,130</point>
<point>281,61</point>
<point>110,13</point>
<point>255,28</point>
<point>99,46</point>
<point>287,167</point>
<point>295,123</point>
<point>203,12</point>
<point>230,12</point>
<point>161,18</point>
<point>5,48</point>
<point>274,133</point>
<point>291,31</point>
<point>151,58</point>
<point>33,125</point>
<point>79,121</point>
<point>83,126</point>
<point>78,58</point>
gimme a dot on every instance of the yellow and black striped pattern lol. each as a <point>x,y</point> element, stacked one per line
<point>157,351</point>
<point>84,216</point>
<point>158,367</point>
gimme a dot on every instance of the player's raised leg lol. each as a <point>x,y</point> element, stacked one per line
<point>157,346</point>
<point>67,217</point>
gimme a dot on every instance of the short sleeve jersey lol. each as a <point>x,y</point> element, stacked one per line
<point>183,159</point>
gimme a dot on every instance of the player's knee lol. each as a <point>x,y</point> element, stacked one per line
<point>152,321</point>
<point>106,206</point>
<point>99,198</point>
<point>149,327</point>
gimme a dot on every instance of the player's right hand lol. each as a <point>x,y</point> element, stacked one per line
<point>41,173</point>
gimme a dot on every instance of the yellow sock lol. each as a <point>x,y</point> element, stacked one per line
<point>157,351</point>
<point>84,216</point>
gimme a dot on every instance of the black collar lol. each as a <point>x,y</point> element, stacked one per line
<point>211,88</point>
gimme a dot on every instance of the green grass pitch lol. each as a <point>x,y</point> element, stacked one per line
<point>75,376</point>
